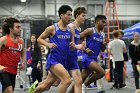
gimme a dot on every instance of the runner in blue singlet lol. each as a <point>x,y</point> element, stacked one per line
<point>72,64</point>
<point>94,41</point>
<point>61,39</point>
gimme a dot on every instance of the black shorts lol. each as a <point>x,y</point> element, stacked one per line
<point>7,79</point>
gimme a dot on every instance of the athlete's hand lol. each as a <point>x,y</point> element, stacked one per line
<point>52,45</point>
<point>81,47</point>
<point>72,45</point>
<point>89,51</point>
<point>2,68</point>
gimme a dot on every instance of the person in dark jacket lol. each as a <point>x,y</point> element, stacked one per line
<point>134,52</point>
<point>36,59</point>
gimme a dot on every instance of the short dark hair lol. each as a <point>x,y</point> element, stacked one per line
<point>79,10</point>
<point>9,23</point>
<point>63,9</point>
<point>116,33</point>
<point>100,17</point>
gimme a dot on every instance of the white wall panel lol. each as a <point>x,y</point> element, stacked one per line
<point>126,9</point>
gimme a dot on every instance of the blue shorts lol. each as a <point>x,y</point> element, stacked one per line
<point>82,55</point>
<point>88,60</point>
<point>52,60</point>
<point>72,62</point>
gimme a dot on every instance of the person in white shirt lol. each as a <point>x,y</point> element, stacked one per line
<point>117,47</point>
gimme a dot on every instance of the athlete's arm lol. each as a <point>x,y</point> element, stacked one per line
<point>49,31</point>
<point>85,33</point>
<point>72,29</point>
<point>2,41</point>
<point>79,46</point>
<point>22,56</point>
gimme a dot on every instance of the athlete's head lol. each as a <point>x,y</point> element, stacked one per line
<point>80,14</point>
<point>100,21</point>
<point>65,13</point>
<point>12,25</point>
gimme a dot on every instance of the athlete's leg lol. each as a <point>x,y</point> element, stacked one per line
<point>9,89</point>
<point>85,73</point>
<point>45,84</point>
<point>77,87</point>
<point>56,83</point>
<point>63,75</point>
<point>99,73</point>
<point>8,82</point>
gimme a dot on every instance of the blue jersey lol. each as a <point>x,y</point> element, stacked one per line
<point>94,42</point>
<point>72,56</point>
<point>62,39</point>
<point>77,36</point>
<point>76,39</point>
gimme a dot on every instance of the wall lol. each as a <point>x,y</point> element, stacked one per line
<point>40,9</point>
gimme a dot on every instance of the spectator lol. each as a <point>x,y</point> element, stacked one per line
<point>36,59</point>
<point>117,47</point>
<point>134,52</point>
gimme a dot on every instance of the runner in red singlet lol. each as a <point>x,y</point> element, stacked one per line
<point>11,51</point>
